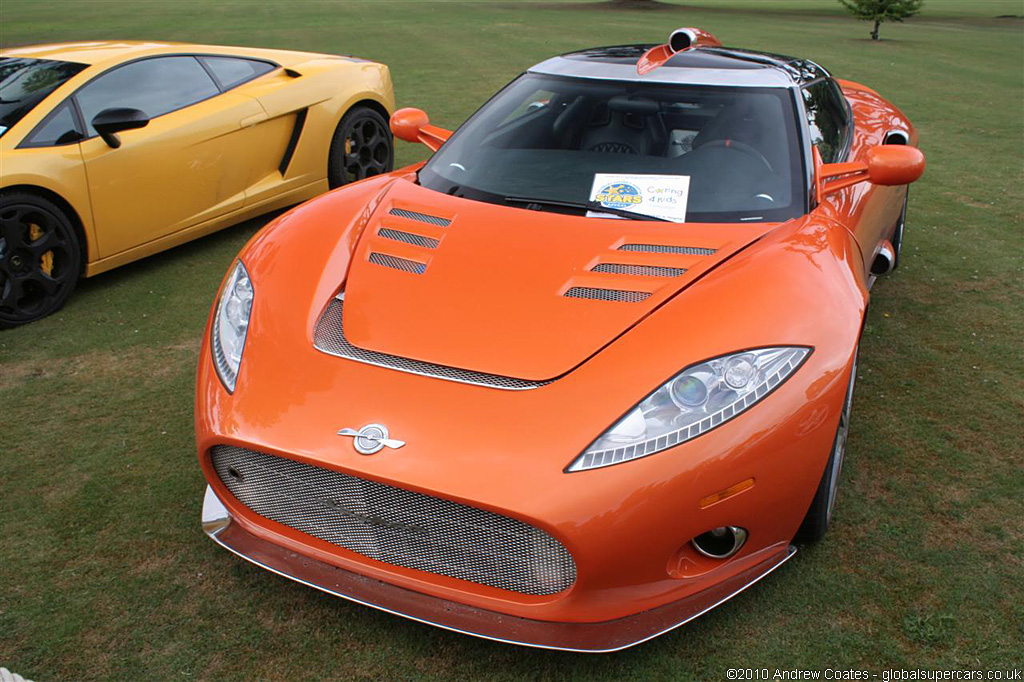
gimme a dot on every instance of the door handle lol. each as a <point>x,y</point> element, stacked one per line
<point>250,121</point>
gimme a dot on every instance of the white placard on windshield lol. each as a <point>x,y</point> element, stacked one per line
<point>662,196</point>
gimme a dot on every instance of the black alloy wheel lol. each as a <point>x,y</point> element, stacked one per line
<point>897,237</point>
<point>819,516</point>
<point>40,258</point>
<point>361,148</point>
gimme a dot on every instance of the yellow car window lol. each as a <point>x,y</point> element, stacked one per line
<point>154,86</point>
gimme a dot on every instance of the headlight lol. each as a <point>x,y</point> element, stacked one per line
<point>693,402</point>
<point>230,324</point>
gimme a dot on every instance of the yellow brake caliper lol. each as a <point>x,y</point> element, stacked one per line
<point>46,262</point>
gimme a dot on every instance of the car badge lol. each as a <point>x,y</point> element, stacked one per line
<point>371,438</point>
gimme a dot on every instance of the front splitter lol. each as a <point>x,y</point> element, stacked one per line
<point>606,636</point>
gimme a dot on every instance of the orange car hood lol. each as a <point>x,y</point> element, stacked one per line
<point>487,289</point>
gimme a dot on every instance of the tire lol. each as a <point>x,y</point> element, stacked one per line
<point>897,235</point>
<point>40,258</point>
<point>362,147</point>
<point>819,516</point>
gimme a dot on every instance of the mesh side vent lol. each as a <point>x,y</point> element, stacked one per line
<point>329,337</point>
<point>397,526</point>
<point>422,217</point>
<point>645,270</point>
<point>408,238</point>
<point>398,263</point>
<point>619,295</point>
<point>663,248</point>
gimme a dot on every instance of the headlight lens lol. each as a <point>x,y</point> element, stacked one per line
<point>230,325</point>
<point>693,402</point>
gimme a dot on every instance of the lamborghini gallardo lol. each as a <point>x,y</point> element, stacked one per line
<point>112,151</point>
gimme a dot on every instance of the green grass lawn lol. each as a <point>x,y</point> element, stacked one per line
<point>105,573</point>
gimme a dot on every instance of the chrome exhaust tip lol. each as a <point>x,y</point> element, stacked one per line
<point>885,260</point>
<point>681,39</point>
<point>721,542</point>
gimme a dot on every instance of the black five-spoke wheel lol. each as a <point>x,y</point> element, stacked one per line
<point>362,147</point>
<point>40,258</point>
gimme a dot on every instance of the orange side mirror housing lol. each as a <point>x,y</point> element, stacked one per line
<point>894,164</point>
<point>883,165</point>
<point>413,125</point>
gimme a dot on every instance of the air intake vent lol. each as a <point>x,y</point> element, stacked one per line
<point>329,337</point>
<point>408,238</point>
<point>397,526</point>
<point>663,248</point>
<point>398,263</point>
<point>422,217</point>
<point>643,270</point>
<point>620,295</point>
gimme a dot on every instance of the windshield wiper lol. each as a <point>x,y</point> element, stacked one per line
<point>585,205</point>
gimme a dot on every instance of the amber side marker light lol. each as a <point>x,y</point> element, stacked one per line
<point>727,493</point>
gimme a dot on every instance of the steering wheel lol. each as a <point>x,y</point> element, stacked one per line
<point>740,147</point>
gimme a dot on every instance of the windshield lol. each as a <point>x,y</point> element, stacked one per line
<point>731,152</point>
<point>24,83</point>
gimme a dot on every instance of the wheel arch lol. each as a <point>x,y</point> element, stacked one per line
<point>69,211</point>
<point>370,104</point>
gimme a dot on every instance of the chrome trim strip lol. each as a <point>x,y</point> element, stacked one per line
<point>329,337</point>
<point>218,525</point>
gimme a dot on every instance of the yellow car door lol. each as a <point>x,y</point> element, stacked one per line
<point>185,167</point>
<point>272,141</point>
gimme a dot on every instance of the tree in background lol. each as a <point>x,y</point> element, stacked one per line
<point>882,10</point>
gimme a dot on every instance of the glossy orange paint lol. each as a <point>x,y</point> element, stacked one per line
<point>681,39</point>
<point>888,165</point>
<point>413,125</point>
<point>496,277</point>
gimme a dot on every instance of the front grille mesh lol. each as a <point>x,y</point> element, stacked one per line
<point>404,264</point>
<point>395,525</point>
<point>643,270</point>
<point>598,294</point>
<point>422,217</point>
<point>665,248</point>
<point>329,337</point>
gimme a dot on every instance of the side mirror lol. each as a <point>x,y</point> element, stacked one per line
<point>413,125</point>
<point>895,165</point>
<point>884,165</point>
<point>109,122</point>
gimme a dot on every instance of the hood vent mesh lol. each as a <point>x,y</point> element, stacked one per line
<point>642,270</point>
<point>663,248</point>
<point>422,217</point>
<point>398,263</point>
<point>408,238</point>
<point>618,295</point>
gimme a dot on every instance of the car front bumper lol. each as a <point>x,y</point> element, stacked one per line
<point>607,636</point>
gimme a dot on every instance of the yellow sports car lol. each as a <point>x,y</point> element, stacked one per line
<point>111,151</point>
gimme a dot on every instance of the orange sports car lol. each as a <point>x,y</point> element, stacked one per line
<point>584,374</point>
<point>112,151</point>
